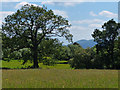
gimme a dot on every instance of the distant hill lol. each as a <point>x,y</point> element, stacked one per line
<point>86,43</point>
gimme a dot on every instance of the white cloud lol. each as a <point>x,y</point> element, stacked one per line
<point>80,32</point>
<point>60,3</point>
<point>21,4</point>
<point>108,14</point>
<point>95,25</point>
<point>74,0</point>
<point>69,4</point>
<point>82,29</point>
<point>78,28</point>
<point>81,0</point>
<point>3,14</point>
<point>105,14</point>
<point>48,2</point>
<point>93,14</point>
<point>10,0</point>
<point>66,4</point>
<point>88,21</point>
<point>62,13</point>
<point>62,0</point>
<point>24,3</point>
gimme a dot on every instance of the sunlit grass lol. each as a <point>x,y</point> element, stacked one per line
<point>16,64</point>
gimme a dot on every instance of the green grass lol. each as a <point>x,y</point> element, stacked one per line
<point>16,64</point>
<point>59,78</point>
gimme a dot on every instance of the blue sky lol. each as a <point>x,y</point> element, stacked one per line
<point>84,16</point>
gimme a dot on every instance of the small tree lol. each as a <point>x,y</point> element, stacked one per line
<point>30,25</point>
<point>81,57</point>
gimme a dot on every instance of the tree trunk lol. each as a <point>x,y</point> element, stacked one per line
<point>112,57</point>
<point>112,54</point>
<point>35,55</point>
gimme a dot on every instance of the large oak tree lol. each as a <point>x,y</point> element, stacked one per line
<point>27,27</point>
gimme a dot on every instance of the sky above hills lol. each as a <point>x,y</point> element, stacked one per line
<point>84,16</point>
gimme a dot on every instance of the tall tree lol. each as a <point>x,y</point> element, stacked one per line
<point>30,25</point>
<point>105,39</point>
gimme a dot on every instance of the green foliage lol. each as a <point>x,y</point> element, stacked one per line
<point>117,54</point>
<point>29,26</point>
<point>6,59</point>
<point>49,61</point>
<point>26,55</point>
<point>82,59</point>
<point>105,48</point>
<point>48,48</point>
<point>64,53</point>
<point>26,35</point>
<point>74,49</point>
<point>106,54</point>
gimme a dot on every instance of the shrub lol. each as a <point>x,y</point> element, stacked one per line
<point>49,61</point>
<point>82,59</point>
<point>6,59</point>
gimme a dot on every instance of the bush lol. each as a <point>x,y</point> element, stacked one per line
<point>99,62</point>
<point>6,59</point>
<point>78,62</point>
<point>83,58</point>
<point>49,61</point>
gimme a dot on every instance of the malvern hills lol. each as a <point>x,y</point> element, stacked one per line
<point>86,43</point>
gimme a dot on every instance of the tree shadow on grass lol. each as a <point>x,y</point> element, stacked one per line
<point>4,68</point>
<point>29,67</point>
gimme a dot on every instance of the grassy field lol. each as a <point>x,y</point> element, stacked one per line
<point>58,76</point>
<point>62,78</point>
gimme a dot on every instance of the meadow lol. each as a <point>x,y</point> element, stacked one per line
<point>17,64</point>
<point>58,76</point>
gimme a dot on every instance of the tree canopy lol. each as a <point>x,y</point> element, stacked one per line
<point>106,42</point>
<point>27,28</point>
